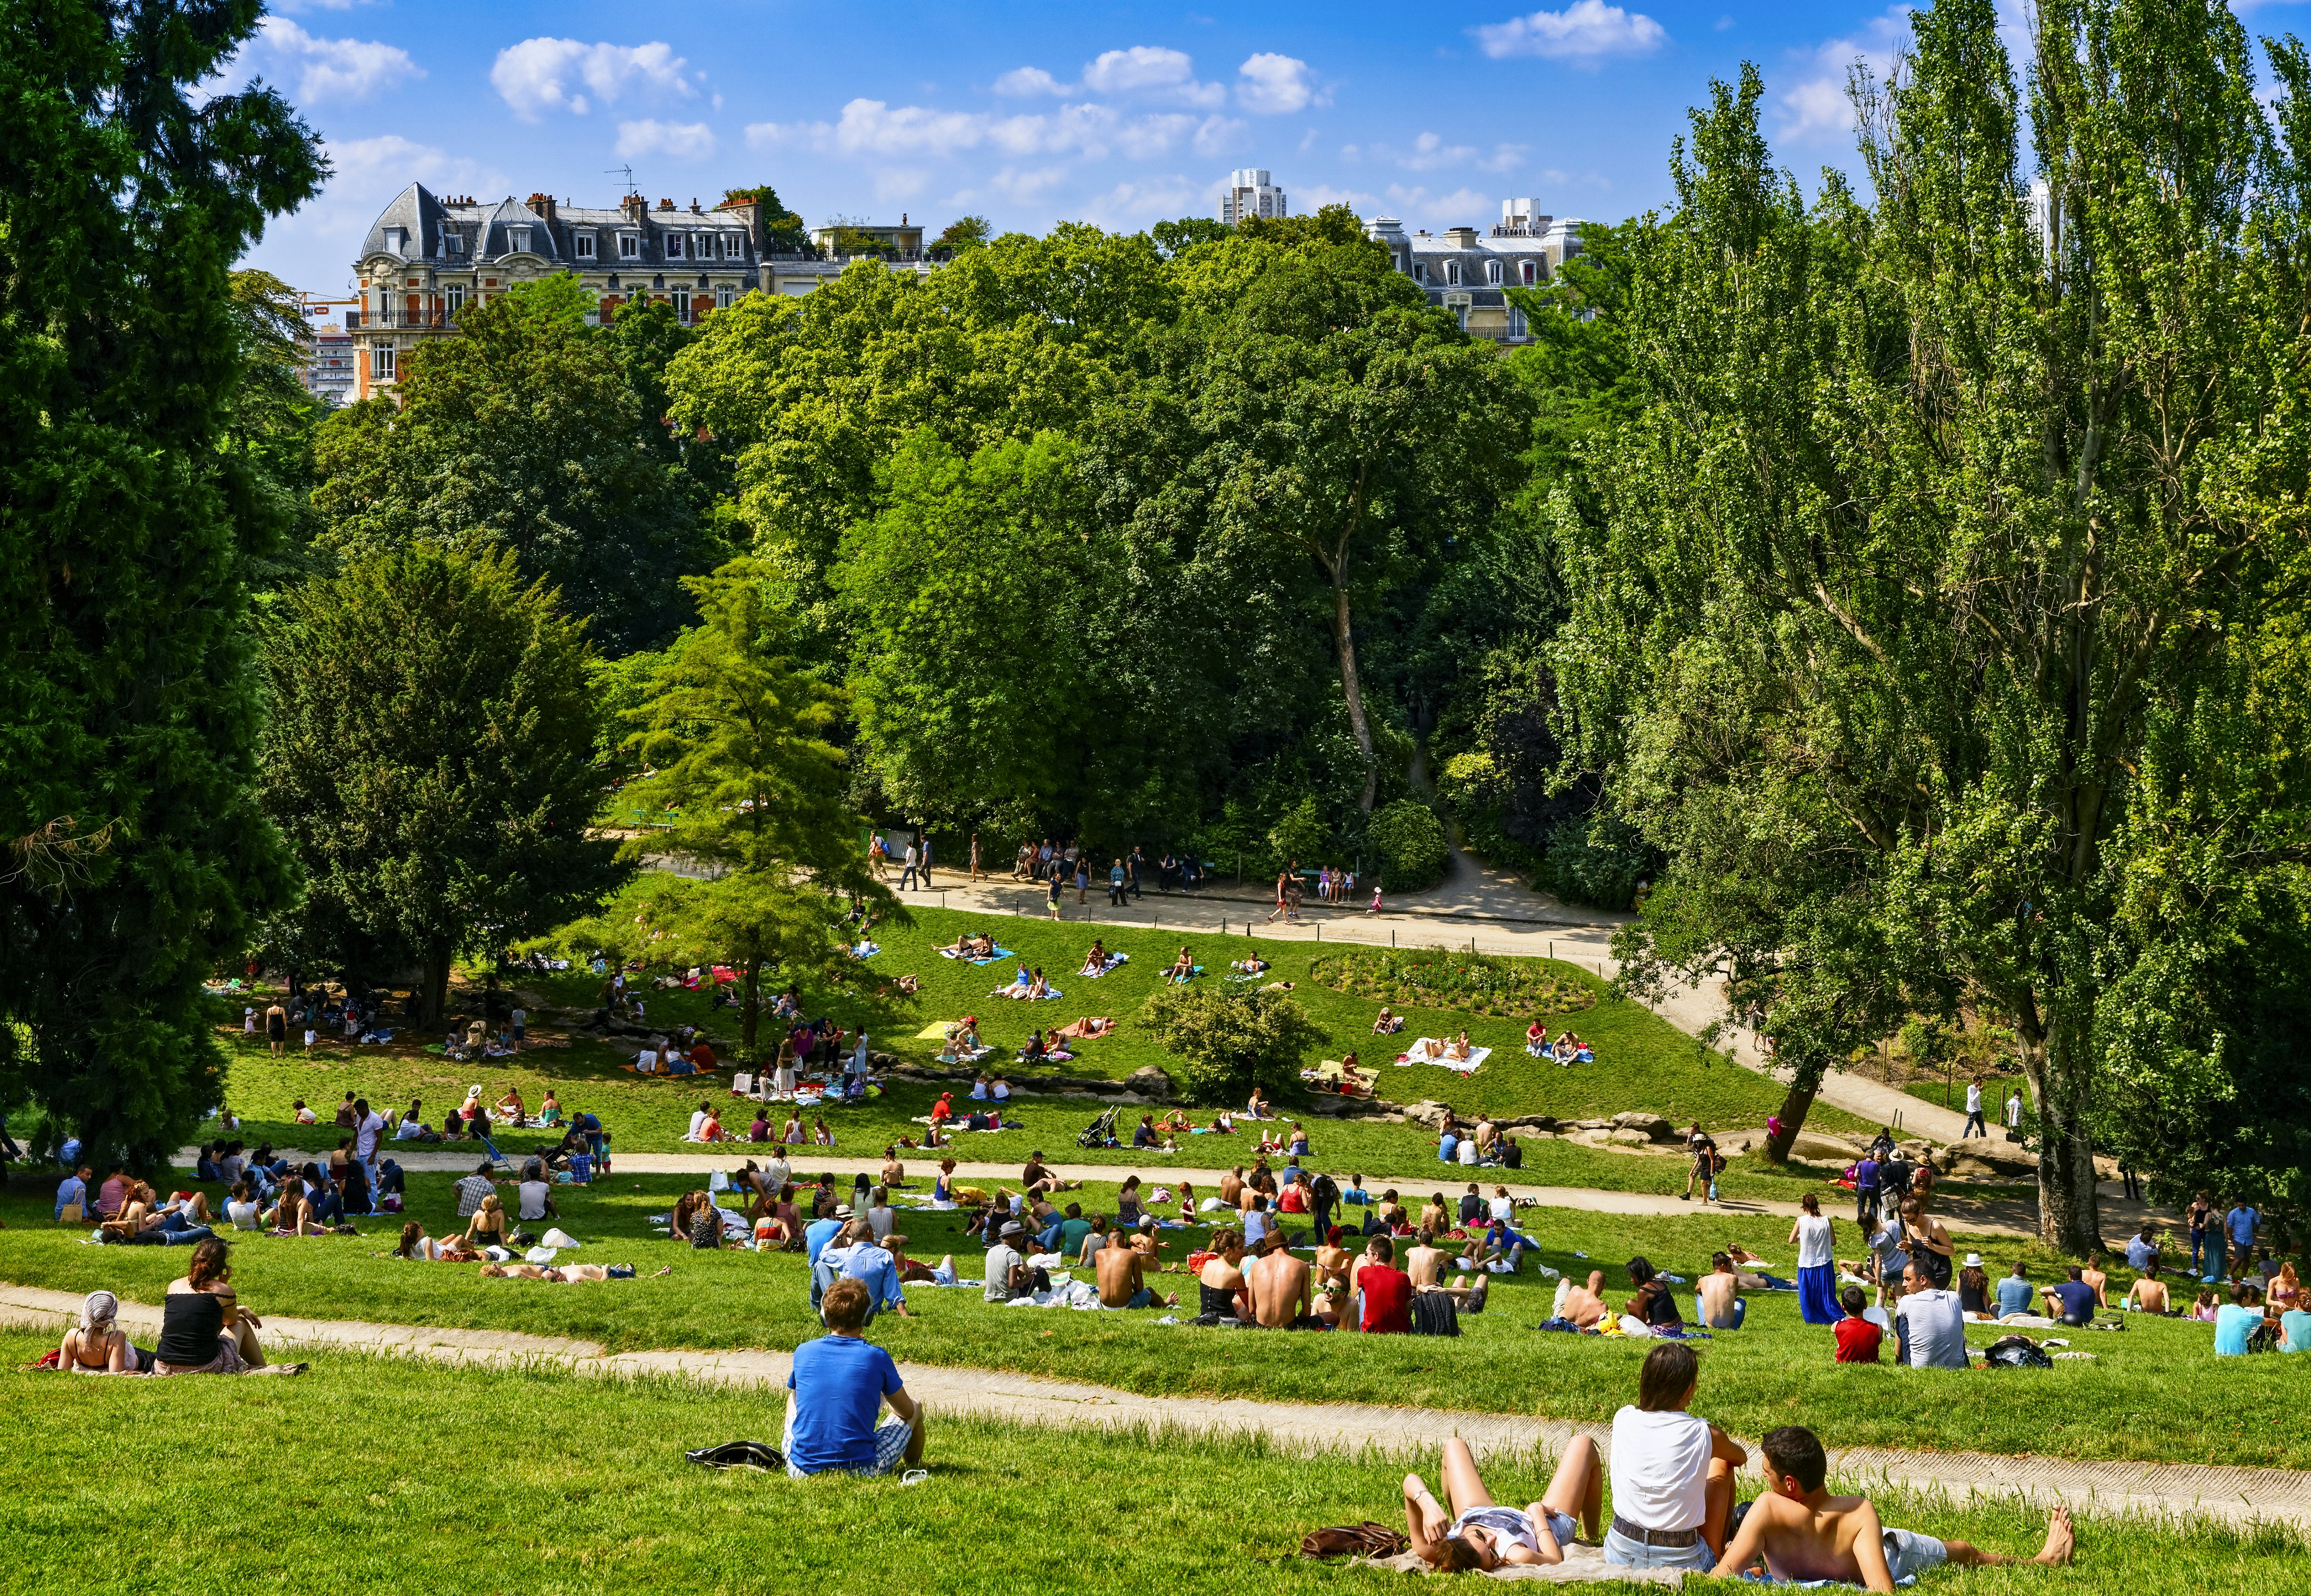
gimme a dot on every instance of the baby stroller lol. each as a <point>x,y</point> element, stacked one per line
<point>1100,1133</point>
<point>500,1164</point>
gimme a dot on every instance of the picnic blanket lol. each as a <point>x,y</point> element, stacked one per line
<point>1417,1053</point>
<point>1000,952</point>
<point>1582,1564</point>
<point>1087,1027</point>
<point>1113,961</point>
<point>865,950</point>
<point>936,1031</point>
<point>1017,991</point>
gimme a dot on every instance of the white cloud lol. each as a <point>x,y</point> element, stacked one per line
<point>676,141</point>
<point>1214,134</point>
<point>1270,85</point>
<point>329,68</point>
<point>1315,197</point>
<point>1022,82</point>
<point>1585,31</point>
<point>1152,70</point>
<point>1133,205</point>
<point>873,128</point>
<point>1463,207</point>
<point>1430,152</point>
<point>543,75</point>
<point>1817,109</point>
<point>900,182</point>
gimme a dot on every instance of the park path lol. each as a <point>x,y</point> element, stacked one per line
<point>2235,1496</point>
<point>1998,1219</point>
<point>1480,907</point>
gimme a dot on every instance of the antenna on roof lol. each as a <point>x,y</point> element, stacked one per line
<point>628,173</point>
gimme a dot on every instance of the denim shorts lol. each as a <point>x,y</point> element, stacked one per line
<point>1632,1553</point>
<point>891,1438</point>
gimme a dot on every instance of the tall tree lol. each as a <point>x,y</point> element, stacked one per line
<point>737,738</point>
<point>430,753</point>
<point>136,859</point>
<point>525,433</point>
<point>1938,510</point>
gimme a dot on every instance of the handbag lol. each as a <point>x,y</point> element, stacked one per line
<point>71,1215</point>
<point>1367,1539</point>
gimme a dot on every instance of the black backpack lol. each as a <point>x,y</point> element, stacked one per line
<point>2018,1352</point>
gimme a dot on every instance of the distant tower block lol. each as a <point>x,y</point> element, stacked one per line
<point>1251,193</point>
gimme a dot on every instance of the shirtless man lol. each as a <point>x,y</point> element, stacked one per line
<point>1121,1285</point>
<point>2149,1294</point>
<point>1220,1289</point>
<point>1232,1189</point>
<point>1424,1260</point>
<point>1802,1532</point>
<point>1722,1307</point>
<point>1283,1292</point>
<point>1584,1305</point>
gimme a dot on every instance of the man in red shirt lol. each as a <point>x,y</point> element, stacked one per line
<point>1857,1337</point>
<point>1387,1290</point>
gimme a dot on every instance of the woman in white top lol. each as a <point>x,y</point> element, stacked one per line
<point>1814,1234</point>
<point>242,1207</point>
<point>1478,1533</point>
<point>880,1218</point>
<point>1673,1470</point>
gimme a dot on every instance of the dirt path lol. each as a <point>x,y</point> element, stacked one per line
<point>2235,1496</point>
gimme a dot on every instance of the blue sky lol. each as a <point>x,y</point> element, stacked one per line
<point>1118,115</point>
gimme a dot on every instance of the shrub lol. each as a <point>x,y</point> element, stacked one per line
<point>1597,861</point>
<point>1229,1041</point>
<point>1411,842</point>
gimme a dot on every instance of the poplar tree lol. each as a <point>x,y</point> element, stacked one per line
<point>134,857</point>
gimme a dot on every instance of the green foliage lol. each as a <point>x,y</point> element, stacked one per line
<point>1411,842</point>
<point>527,434</point>
<point>1439,977</point>
<point>429,752</point>
<point>1596,859</point>
<point>963,233</point>
<point>1921,559</point>
<point>734,735</point>
<point>1227,1042</point>
<point>1300,833</point>
<point>1173,237</point>
<point>137,501</point>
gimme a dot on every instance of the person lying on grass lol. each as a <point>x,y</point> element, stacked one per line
<point>417,1247</point>
<point>566,1274</point>
<point>840,1384</point>
<point>1479,1534</point>
<point>1799,1531</point>
<point>1584,1305</point>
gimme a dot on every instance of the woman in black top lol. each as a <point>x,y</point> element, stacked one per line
<point>1974,1291</point>
<point>1654,1303</point>
<point>204,1329</point>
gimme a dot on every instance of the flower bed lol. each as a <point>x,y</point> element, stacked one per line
<point>1477,983</point>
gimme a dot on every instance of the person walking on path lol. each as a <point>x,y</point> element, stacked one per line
<point>1814,1233</point>
<point>1115,878</point>
<point>974,856</point>
<point>907,877</point>
<point>2240,1224</point>
<point>1083,879</point>
<point>276,1028</point>
<point>2014,1115</point>
<point>1280,897</point>
<point>1057,885</point>
<point>1974,1125</point>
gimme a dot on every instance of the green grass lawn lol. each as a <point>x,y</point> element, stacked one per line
<point>482,1480</point>
<point>1644,1063</point>
<point>2155,1392</point>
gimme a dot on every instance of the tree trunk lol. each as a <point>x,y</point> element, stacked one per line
<point>433,990</point>
<point>1804,1083</point>
<point>1344,638</point>
<point>2069,1218</point>
<point>750,1009</point>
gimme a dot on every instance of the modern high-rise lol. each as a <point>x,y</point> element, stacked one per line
<point>1250,192</point>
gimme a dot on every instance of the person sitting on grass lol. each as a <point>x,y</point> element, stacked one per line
<point>840,1383</point>
<point>855,1255</point>
<point>487,1227</point>
<point>1181,969</point>
<point>2148,1295</point>
<point>1535,1040</point>
<point>2014,1293</point>
<point>1673,1470</point>
<point>1121,1272</point>
<point>1479,1534</point>
<point>203,1328</point>
<point>1857,1337</point>
<point>1655,1303</point>
<point>294,1215</point>
<point>2235,1321</point>
<point>1281,1288</point>
<point>1386,1290</point>
<point>2072,1301</point>
<point>1388,1023</point>
<point>1095,961</point>
<point>1221,1292</point>
<point>97,1345</point>
<point>1720,1295</point>
<point>1928,1324</point>
<point>1801,1533</point>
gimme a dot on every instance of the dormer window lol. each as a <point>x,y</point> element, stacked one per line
<point>518,239</point>
<point>1528,274</point>
<point>1453,274</point>
<point>584,244</point>
<point>1491,271</point>
<point>630,247</point>
<point>452,243</point>
<point>732,249</point>
<point>673,246</point>
<point>396,240</point>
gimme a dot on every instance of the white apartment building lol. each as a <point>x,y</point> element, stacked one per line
<point>1468,273</point>
<point>329,372</point>
<point>1251,193</point>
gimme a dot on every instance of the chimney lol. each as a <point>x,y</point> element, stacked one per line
<point>693,206</point>
<point>543,204</point>
<point>632,207</point>
<point>665,204</point>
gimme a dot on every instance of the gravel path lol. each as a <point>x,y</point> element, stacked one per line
<point>2235,1496</point>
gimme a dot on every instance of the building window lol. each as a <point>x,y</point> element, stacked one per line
<point>1528,274</point>
<point>457,298</point>
<point>518,239</point>
<point>673,246</point>
<point>1491,271</point>
<point>681,304</point>
<point>584,244</point>
<point>381,358</point>
<point>734,246</point>
<point>630,247</point>
<point>453,243</point>
<point>1516,321</point>
<point>721,299</point>
<point>1451,274</point>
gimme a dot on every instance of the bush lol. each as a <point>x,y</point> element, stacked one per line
<point>1228,1041</point>
<point>1436,978</point>
<point>1596,861</point>
<point>1411,842</point>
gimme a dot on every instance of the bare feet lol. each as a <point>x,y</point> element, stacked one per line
<point>668,1269</point>
<point>2061,1540</point>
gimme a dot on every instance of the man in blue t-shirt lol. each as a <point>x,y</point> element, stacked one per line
<point>2014,1293</point>
<point>2235,1322</point>
<point>2240,1223</point>
<point>2072,1301</point>
<point>840,1384</point>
